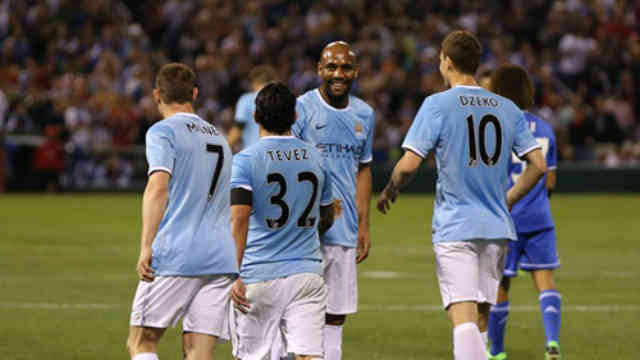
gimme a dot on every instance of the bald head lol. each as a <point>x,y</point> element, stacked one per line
<point>338,48</point>
<point>337,68</point>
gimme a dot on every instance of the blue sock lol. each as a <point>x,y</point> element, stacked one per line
<point>497,323</point>
<point>550,306</point>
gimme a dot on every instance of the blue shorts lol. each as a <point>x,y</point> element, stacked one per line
<point>533,251</point>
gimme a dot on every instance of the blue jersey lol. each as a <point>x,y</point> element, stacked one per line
<point>344,138</point>
<point>245,108</point>
<point>532,212</point>
<point>472,133</point>
<point>194,237</point>
<point>288,182</point>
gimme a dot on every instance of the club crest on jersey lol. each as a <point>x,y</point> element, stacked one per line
<point>358,128</point>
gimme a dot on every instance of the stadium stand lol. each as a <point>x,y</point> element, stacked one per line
<point>87,70</point>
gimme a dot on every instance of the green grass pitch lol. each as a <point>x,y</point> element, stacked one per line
<point>67,280</point>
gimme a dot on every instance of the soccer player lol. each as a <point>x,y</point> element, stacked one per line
<point>280,198</point>
<point>535,250</point>
<point>187,257</point>
<point>341,126</point>
<point>245,128</point>
<point>472,133</point>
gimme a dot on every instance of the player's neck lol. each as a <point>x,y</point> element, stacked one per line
<point>338,103</point>
<point>458,79</point>
<point>168,110</point>
<point>264,133</point>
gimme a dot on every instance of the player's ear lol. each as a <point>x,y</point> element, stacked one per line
<point>319,69</point>
<point>156,97</point>
<point>195,93</point>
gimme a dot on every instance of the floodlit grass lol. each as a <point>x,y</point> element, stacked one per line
<point>67,280</point>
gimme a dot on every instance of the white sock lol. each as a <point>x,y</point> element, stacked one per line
<point>145,356</point>
<point>485,338</point>
<point>332,342</point>
<point>467,342</point>
<point>276,347</point>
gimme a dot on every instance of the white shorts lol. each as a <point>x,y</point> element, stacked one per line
<point>202,301</point>
<point>294,305</point>
<point>341,278</point>
<point>470,270</point>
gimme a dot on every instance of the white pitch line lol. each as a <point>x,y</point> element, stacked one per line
<point>58,306</point>
<point>514,308</point>
<point>363,307</point>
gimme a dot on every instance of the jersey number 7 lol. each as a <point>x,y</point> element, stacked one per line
<point>216,174</point>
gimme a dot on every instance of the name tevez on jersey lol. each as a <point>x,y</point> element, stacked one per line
<point>288,181</point>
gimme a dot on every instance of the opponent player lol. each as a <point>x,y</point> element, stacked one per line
<point>341,126</point>
<point>536,249</point>
<point>280,198</point>
<point>187,257</point>
<point>245,128</point>
<point>472,133</point>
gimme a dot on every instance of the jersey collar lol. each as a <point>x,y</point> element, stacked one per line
<point>187,114</point>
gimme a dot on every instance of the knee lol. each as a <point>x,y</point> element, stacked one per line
<point>335,320</point>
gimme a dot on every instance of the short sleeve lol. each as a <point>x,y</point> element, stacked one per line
<point>552,154</point>
<point>367,153</point>
<point>327,193</point>
<point>524,142</point>
<point>160,149</point>
<point>424,132</point>
<point>301,120</point>
<point>243,110</point>
<point>241,172</point>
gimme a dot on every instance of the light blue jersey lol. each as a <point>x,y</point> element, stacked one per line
<point>194,237</point>
<point>245,107</point>
<point>472,132</point>
<point>288,182</point>
<point>533,212</point>
<point>344,138</point>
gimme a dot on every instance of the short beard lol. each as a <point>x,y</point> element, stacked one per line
<point>336,98</point>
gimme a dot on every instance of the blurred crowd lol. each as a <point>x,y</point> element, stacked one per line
<point>81,72</point>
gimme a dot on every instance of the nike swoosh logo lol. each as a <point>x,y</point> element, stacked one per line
<point>319,126</point>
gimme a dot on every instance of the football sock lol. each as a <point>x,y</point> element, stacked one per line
<point>551,307</point>
<point>145,356</point>
<point>332,342</point>
<point>497,322</point>
<point>467,342</point>
<point>276,347</point>
<point>485,338</point>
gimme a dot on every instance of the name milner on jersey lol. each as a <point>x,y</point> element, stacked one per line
<point>207,129</point>
<point>288,155</point>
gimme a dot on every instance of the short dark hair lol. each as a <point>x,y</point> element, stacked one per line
<point>464,50</point>
<point>175,82</point>
<point>275,108</point>
<point>513,82</point>
<point>262,74</point>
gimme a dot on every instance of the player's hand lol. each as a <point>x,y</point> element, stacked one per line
<point>364,244</point>
<point>387,196</point>
<point>239,297</point>
<point>145,272</point>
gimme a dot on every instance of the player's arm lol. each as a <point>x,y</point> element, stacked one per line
<point>551,181</point>
<point>363,203</point>
<point>154,203</point>
<point>326,218</point>
<point>535,170</point>
<point>235,133</point>
<point>403,173</point>
<point>241,203</point>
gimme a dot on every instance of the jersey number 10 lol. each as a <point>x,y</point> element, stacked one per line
<point>473,155</point>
